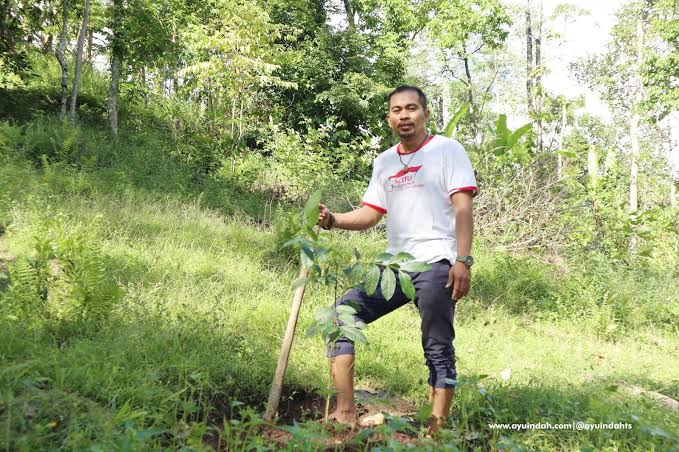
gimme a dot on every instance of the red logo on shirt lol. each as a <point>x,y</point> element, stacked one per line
<point>403,179</point>
<point>404,171</point>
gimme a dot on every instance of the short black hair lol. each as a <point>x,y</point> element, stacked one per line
<point>402,88</point>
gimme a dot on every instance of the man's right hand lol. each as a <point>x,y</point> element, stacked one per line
<point>323,216</point>
<point>357,220</point>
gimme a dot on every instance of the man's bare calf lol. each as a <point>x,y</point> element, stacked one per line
<point>342,373</point>
<point>441,399</point>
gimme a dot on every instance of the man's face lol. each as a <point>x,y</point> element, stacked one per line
<point>406,117</point>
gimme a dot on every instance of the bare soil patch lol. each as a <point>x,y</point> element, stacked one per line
<point>375,408</point>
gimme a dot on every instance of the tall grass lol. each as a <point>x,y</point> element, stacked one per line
<point>202,292</point>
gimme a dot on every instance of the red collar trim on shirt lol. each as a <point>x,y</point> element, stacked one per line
<point>398,148</point>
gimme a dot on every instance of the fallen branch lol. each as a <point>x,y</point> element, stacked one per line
<point>669,402</point>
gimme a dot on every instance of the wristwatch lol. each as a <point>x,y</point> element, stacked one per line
<point>468,261</point>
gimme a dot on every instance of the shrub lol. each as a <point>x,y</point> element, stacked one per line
<point>64,284</point>
<point>519,284</point>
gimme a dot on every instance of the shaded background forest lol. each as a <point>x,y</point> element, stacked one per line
<point>285,96</point>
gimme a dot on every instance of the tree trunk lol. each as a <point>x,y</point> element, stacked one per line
<point>7,18</point>
<point>113,94</point>
<point>143,83</point>
<point>634,122</point>
<point>233,116</point>
<point>496,86</point>
<point>175,79</point>
<point>240,120</point>
<point>47,43</point>
<point>634,129</point>
<point>592,167</point>
<point>62,61</point>
<point>592,174</point>
<point>529,60</point>
<point>538,82</point>
<point>79,59</point>
<point>116,61</point>
<point>470,99</point>
<point>634,166</point>
<point>446,103</point>
<point>90,34</point>
<point>670,155</point>
<point>439,113</point>
<point>350,15</point>
<point>610,163</point>
<point>562,133</point>
<point>165,89</point>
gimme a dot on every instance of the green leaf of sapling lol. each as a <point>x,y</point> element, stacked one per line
<point>321,254</point>
<point>324,314</point>
<point>291,242</point>
<point>388,283</point>
<point>345,309</point>
<point>372,277</point>
<point>353,334</point>
<point>345,319</point>
<point>311,208</point>
<point>356,274</point>
<point>406,285</point>
<point>383,257</point>
<point>402,257</point>
<point>353,304</point>
<point>300,282</point>
<point>313,330</point>
<point>307,256</point>
<point>415,266</point>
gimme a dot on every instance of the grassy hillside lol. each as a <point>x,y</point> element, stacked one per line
<point>140,304</point>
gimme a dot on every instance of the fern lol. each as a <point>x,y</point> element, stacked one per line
<point>65,282</point>
<point>22,298</point>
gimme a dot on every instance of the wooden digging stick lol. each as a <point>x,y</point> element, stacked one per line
<point>277,383</point>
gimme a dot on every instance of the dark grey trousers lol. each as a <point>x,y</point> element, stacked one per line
<point>436,308</point>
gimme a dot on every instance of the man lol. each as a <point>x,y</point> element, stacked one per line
<point>425,186</point>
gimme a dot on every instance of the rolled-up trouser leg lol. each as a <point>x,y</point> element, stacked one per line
<point>436,311</point>
<point>371,308</point>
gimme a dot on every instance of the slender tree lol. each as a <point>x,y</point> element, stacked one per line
<point>635,118</point>
<point>562,132</point>
<point>60,57</point>
<point>350,15</point>
<point>538,99</point>
<point>473,113</point>
<point>90,36</point>
<point>529,59</point>
<point>116,61</point>
<point>671,149</point>
<point>79,59</point>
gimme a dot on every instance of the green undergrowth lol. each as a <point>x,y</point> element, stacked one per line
<point>144,309</point>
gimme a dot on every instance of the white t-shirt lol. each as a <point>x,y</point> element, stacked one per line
<point>416,198</point>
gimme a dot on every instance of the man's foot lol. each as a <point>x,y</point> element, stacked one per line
<point>435,423</point>
<point>346,417</point>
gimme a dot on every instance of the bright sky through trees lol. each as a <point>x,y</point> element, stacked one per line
<point>583,36</point>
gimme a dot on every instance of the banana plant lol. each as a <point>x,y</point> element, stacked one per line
<point>451,127</point>
<point>507,141</point>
